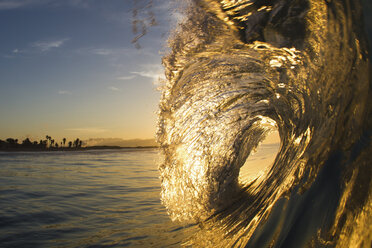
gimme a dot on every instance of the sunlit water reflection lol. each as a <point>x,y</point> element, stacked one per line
<point>83,199</point>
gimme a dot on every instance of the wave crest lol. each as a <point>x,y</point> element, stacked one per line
<point>226,89</point>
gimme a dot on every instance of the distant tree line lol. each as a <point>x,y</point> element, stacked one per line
<point>44,144</point>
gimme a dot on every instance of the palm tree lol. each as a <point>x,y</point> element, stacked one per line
<point>27,142</point>
<point>48,138</point>
<point>70,144</point>
<point>64,141</point>
<point>43,143</point>
<point>76,142</point>
<point>11,142</point>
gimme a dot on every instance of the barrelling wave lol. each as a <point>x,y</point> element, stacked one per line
<point>239,69</point>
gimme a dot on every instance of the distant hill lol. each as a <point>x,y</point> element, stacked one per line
<point>119,142</point>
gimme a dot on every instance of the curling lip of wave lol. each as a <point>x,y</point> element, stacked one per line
<point>236,66</point>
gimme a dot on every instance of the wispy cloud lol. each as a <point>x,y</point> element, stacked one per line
<point>87,130</point>
<point>154,72</point>
<point>126,77</point>
<point>102,51</point>
<point>110,51</point>
<point>12,54</point>
<point>113,88</point>
<point>15,4</point>
<point>151,71</point>
<point>48,45</point>
<point>148,74</point>
<point>64,92</point>
<point>12,4</point>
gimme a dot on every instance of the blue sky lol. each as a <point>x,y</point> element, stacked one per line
<point>68,69</point>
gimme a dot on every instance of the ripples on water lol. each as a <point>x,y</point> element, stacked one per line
<point>83,199</point>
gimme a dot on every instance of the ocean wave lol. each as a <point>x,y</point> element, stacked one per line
<point>239,70</point>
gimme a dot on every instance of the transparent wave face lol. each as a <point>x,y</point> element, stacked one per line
<point>239,70</point>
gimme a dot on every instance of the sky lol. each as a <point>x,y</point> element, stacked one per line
<point>68,69</point>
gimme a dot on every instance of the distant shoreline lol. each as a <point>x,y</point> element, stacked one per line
<point>87,148</point>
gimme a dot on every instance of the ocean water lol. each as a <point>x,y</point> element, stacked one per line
<point>102,198</point>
